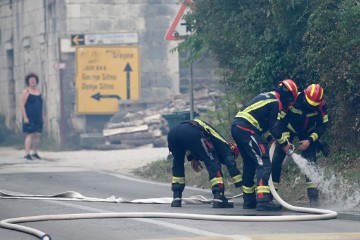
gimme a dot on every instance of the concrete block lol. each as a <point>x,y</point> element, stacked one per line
<point>152,65</point>
<point>78,123</point>
<point>153,53</point>
<point>5,10</point>
<point>119,11</point>
<point>140,24</point>
<point>73,10</point>
<point>34,16</point>
<point>27,30</point>
<point>157,23</point>
<point>125,24</point>
<point>33,5</point>
<point>6,29</point>
<point>101,25</point>
<point>92,10</point>
<point>8,46</point>
<point>155,93</point>
<point>90,140</point>
<point>26,42</point>
<point>78,25</point>
<point>156,79</point>
<point>156,10</point>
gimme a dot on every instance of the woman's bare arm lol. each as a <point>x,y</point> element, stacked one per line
<point>23,99</point>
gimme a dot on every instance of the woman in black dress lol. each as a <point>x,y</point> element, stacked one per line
<point>31,106</point>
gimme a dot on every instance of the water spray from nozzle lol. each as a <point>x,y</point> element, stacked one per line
<point>328,184</point>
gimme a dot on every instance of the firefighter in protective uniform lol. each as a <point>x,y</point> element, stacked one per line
<point>307,119</point>
<point>258,117</point>
<point>197,140</point>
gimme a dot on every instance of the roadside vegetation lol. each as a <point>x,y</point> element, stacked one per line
<point>292,187</point>
<point>259,43</point>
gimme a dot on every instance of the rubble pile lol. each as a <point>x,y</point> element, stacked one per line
<point>144,124</point>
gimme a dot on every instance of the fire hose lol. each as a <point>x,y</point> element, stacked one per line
<point>315,214</point>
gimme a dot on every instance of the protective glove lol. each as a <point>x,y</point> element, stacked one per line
<point>304,145</point>
<point>196,165</point>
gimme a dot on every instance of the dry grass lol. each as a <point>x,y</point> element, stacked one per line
<point>292,187</point>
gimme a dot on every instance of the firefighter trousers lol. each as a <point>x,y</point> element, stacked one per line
<point>186,136</point>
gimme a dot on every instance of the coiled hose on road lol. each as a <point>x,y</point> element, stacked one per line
<point>317,214</point>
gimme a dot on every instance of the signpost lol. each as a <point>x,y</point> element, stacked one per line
<point>104,39</point>
<point>104,75</point>
<point>177,30</point>
<point>112,38</point>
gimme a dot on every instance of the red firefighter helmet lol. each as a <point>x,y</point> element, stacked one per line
<point>314,94</point>
<point>291,86</point>
<point>234,149</point>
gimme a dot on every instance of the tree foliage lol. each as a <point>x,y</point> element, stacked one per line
<point>259,43</point>
<point>333,51</point>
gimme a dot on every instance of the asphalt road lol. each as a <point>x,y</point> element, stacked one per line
<point>49,179</point>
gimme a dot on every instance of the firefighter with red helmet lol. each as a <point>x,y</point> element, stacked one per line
<point>199,141</point>
<point>259,116</point>
<point>307,119</point>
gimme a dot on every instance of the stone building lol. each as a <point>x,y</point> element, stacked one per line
<point>58,41</point>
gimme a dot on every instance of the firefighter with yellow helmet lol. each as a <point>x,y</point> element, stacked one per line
<point>307,119</point>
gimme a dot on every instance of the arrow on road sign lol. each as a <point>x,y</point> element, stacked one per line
<point>77,39</point>
<point>127,70</point>
<point>98,96</point>
<point>177,29</point>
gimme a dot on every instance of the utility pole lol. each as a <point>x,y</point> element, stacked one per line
<point>191,90</point>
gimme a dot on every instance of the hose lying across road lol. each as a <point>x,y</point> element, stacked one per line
<point>316,214</point>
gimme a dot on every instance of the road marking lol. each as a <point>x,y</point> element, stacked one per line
<point>157,222</point>
<point>222,237</point>
<point>307,236</point>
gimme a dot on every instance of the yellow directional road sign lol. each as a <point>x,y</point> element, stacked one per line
<point>104,75</point>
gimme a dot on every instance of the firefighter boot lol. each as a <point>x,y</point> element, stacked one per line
<point>264,203</point>
<point>249,200</point>
<point>313,195</point>
<point>176,202</point>
<point>220,201</point>
<point>263,198</point>
<point>268,206</point>
<point>177,189</point>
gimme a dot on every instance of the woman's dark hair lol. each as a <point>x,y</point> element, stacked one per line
<point>31,75</point>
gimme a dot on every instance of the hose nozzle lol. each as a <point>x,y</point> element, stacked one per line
<point>291,150</point>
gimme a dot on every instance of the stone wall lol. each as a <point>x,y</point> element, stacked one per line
<point>28,44</point>
<point>31,38</point>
